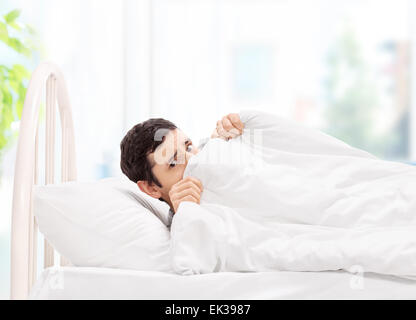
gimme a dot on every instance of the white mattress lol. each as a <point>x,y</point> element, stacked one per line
<point>103,283</point>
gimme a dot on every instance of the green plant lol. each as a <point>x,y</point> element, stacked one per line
<point>19,38</point>
<point>353,98</point>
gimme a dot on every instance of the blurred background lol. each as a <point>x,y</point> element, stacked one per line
<point>341,66</point>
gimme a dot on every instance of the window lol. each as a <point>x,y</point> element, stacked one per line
<point>339,66</point>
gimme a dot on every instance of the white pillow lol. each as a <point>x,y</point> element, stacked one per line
<point>108,223</point>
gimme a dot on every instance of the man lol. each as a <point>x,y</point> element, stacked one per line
<point>154,154</point>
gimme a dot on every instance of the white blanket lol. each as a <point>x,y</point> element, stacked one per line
<point>286,197</point>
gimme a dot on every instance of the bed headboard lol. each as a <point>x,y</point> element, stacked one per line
<point>46,84</point>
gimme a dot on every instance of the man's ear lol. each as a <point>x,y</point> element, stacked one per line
<point>150,189</point>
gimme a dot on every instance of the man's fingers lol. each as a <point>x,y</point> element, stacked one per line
<point>187,192</point>
<point>230,126</point>
<point>188,182</point>
<point>226,124</point>
<point>222,132</point>
<point>196,181</point>
<point>188,189</point>
<point>189,198</point>
<point>234,118</point>
<point>215,134</point>
<point>187,186</point>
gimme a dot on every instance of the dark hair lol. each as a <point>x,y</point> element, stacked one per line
<point>137,144</point>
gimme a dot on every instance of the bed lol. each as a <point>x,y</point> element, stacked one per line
<point>63,281</point>
<point>104,283</point>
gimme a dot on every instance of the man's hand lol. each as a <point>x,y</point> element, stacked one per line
<point>228,127</point>
<point>188,189</point>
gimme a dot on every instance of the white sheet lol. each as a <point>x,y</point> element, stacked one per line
<point>102,283</point>
<point>295,200</point>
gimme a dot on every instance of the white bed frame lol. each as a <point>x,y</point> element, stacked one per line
<point>47,83</point>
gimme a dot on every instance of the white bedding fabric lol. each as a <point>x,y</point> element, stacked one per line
<point>296,200</point>
<point>104,223</point>
<point>103,283</point>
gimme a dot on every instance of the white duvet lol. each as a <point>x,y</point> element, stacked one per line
<point>286,197</point>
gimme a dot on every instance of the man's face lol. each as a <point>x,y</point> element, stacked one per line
<point>170,158</point>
